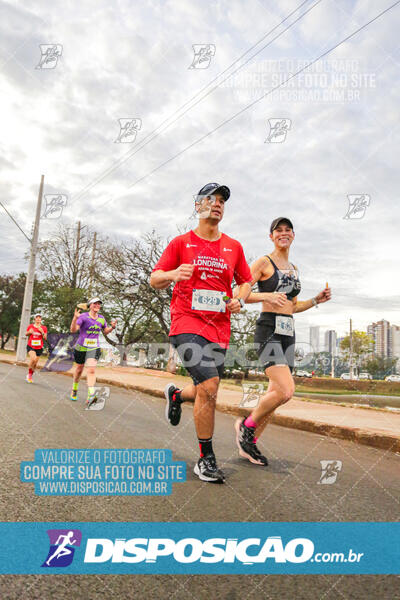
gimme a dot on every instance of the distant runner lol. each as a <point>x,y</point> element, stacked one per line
<point>202,264</point>
<point>37,335</point>
<point>87,348</point>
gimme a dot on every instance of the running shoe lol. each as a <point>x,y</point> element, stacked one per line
<point>92,399</point>
<point>74,395</point>
<point>29,379</point>
<point>206,469</point>
<point>247,447</point>
<point>173,409</point>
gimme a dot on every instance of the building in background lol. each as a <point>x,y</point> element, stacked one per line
<point>382,335</point>
<point>339,340</point>
<point>330,342</point>
<point>314,338</point>
<point>395,339</point>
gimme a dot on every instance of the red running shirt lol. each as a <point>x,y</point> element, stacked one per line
<point>35,340</point>
<point>216,265</point>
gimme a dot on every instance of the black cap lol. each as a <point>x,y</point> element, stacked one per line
<point>212,188</point>
<point>278,221</point>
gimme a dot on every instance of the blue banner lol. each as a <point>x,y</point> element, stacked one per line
<point>195,548</point>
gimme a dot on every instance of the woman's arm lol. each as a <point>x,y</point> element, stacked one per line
<point>74,327</point>
<point>111,327</point>
<point>259,268</point>
<point>302,305</point>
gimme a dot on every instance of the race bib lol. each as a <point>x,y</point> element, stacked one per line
<point>90,343</point>
<point>284,325</point>
<point>36,343</point>
<point>208,300</point>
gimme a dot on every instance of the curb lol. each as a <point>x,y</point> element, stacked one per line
<point>381,441</point>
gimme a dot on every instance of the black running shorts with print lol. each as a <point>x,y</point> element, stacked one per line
<point>201,358</point>
<point>274,348</point>
<point>80,356</point>
<point>39,351</point>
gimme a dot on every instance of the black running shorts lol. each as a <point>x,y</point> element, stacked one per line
<point>80,356</point>
<point>200,357</point>
<point>39,351</point>
<point>274,349</point>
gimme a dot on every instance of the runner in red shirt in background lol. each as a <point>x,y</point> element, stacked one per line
<point>202,264</point>
<point>37,334</point>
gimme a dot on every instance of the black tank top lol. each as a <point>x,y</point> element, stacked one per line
<point>281,282</point>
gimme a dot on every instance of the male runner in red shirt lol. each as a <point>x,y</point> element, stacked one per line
<point>37,334</point>
<point>202,264</point>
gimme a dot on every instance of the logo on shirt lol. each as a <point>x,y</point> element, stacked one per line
<point>227,249</point>
<point>191,245</point>
<point>204,275</point>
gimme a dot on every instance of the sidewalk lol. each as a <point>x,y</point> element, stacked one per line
<point>372,427</point>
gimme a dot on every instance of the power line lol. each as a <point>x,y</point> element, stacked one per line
<point>203,137</point>
<point>20,228</point>
<point>153,134</point>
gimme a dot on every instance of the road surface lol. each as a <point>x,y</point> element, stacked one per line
<point>41,416</point>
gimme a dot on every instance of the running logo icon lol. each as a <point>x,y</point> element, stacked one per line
<point>50,55</point>
<point>128,130</point>
<point>54,206</point>
<point>278,129</point>
<point>101,395</point>
<point>62,547</point>
<point>330,470</point>
<point>358,204</point>
<point>251,394</point>
<point>203,54</point>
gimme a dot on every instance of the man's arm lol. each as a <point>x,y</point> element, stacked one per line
<point>42,331</point>
<point>162,279</point>
<point>241,292</point>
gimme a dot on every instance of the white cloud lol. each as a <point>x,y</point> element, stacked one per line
<point>131,60</point>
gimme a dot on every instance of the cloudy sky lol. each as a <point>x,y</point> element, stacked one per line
<point>125,60</point>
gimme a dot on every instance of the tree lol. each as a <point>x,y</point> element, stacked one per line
<point>362,345</point>
<point>379,366</point>
<point>143,316</point>
<point>66,259</point>
<point>11,297</point>
<point>65,263</point>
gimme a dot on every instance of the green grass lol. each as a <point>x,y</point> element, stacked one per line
<point>314,390</point>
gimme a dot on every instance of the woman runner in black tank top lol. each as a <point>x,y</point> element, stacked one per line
<point>279,285</point>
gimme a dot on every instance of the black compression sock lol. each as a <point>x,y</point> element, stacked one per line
<point>205,447</point>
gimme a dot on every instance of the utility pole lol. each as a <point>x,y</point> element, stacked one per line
<point>30,277</point>
<point>92,265</point>
<point>76,258</point>
<point>351,349</point>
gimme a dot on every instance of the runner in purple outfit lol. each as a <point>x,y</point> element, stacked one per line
<point>87,348</point>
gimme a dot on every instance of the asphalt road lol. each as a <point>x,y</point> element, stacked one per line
<point>41,416</point>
